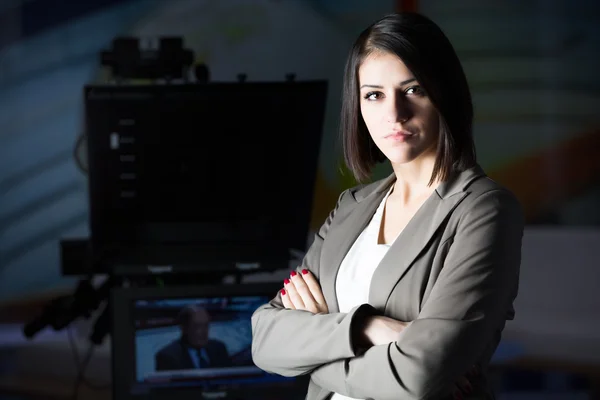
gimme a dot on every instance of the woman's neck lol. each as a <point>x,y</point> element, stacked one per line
<point>413,178</point>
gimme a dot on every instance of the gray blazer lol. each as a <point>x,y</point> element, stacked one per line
<point>453,271</point>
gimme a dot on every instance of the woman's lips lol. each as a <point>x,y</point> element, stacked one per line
<point>399,136</point>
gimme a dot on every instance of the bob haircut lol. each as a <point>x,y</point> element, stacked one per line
<point>429,55</point>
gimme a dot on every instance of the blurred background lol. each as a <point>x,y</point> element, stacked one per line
<point>533,70</point>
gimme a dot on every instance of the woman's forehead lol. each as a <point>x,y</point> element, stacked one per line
<point>384,68</point>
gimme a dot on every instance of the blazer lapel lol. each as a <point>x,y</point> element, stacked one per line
<point>342,236</point>
<point>417,234</point>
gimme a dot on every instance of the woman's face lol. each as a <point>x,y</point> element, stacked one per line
<point>400,118</point>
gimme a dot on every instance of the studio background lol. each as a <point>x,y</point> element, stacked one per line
<point>532,66</point>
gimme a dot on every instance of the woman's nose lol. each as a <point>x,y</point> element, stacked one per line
<point>399,111</point>
<point>398,115</point>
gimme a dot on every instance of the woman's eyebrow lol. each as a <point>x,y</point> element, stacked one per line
<point>381,87</point>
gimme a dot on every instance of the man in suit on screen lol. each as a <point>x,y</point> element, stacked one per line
<point>193,349</point>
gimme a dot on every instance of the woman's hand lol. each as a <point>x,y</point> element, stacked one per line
<point>380,330</point>
<point>303,292</point>
<point>462,388</point>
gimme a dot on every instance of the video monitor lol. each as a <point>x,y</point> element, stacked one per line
<point>202,176</point>
<point>191,342</point>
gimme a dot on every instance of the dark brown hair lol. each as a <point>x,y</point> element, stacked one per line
<point>429,55</point>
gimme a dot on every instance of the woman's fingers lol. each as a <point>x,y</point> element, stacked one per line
<point>293,295</point>
<point>315,290</point>
<point>457,393</point>
<point>313,285</point>
<point>464,386</point>
<point>474,371</point>
<point>285,299</point>
<point>303,291</point>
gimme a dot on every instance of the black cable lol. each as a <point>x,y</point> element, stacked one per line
<point>81,366</point>
<point>100,329</point>
<point>81,371</point>
<point>101,326</point>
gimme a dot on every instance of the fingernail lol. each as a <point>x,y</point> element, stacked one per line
<point>283,292</point>
<point>458,395</point>
<point>304,271</point>
<point>293,273</point>
<point>286,281</point>
<point>468,388</point>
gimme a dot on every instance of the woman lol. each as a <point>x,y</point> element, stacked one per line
<point>410,280</point>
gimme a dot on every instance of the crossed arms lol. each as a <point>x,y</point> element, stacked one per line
<point>465,310</point>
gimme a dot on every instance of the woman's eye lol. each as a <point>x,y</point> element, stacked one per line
<point>418,90</point>
<point>372,95</point>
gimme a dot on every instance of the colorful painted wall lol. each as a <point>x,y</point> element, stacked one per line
<point>50,48</point>
<point>532,67</point>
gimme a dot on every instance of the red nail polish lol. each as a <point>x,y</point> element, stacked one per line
<point>286,281</point>
<point>304,271</point>
<point>283,292</point>
<point>458,396</point>
<point>468,388</point>
<point>293,273</point>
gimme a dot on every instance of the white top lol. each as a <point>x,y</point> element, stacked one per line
<point>354,277</point>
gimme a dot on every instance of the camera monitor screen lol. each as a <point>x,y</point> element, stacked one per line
<point>225,168</point>
<point>195,341</point>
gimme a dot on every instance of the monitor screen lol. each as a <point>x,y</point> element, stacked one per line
<point>223,165</point>
<point>193,341</point>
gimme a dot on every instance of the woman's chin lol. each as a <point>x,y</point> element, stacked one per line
<point>400,158</point>
<point>408,155</point>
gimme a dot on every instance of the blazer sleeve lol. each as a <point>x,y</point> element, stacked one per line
<point>295,342</point>
<point>467,306</point>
